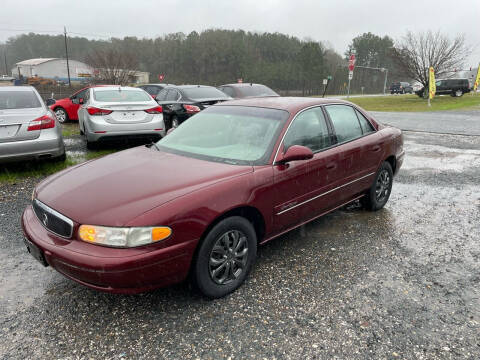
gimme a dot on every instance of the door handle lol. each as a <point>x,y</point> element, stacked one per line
<point>331,166</point>
<point>376,148</point>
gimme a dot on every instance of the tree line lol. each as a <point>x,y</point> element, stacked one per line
<point>216,56</point>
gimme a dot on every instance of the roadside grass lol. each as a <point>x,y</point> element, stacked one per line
<point>412,103</point>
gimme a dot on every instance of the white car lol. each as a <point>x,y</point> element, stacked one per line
<point>108,113</point>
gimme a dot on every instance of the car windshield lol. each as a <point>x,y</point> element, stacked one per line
<point>256,90</point>
<point>232,134</point>
<point>120,95</point>
<point>18,100</point>
<point>204,93</point>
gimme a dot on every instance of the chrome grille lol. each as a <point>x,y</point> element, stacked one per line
<point>53,220</point>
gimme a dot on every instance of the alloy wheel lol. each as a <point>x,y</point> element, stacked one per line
<point>61,115</point>
<point>228,257</point>
<point>382,187</point>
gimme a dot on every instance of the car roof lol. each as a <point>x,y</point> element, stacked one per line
<point>243,84</point>
<point>157,84</point>
<point>104,88</point>
<point>17,88</point>
<point>188,86</point>
<point>290,104</point>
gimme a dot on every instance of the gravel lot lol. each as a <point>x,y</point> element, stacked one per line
<point>399,283</point>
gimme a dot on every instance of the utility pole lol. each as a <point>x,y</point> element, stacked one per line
<point>5,58</point>
<point>66,54</point>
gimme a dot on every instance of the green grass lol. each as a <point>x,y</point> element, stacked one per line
<point>11,173</point>
<point>414,103</point>
<point>70,129</point>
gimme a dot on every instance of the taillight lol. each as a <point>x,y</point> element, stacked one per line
<point>191,109</point>
<point>155,110</point>
<point>44,122</point>
<point>96,111</point>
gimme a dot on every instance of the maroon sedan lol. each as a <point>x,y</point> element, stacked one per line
<point>199,201</point>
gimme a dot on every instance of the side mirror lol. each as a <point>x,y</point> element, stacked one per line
<point>81,101</point>
<point>50,102</point>
<point>296,152</point>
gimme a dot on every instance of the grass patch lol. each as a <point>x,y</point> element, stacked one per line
<point>11,173</point>
<point>70,129</point>
<point>99,153</point>
<point>414,103</point>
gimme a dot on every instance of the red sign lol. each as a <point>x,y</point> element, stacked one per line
<point>351,62</point>
<point>161,77</point>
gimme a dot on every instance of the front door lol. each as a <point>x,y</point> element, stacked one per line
<point>302,187</point>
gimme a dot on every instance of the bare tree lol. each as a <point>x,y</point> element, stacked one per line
<point>112,66</point>
<point>415,53</point>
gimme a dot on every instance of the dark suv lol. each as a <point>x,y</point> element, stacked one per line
<point>454,87</point>
<point>401,87</point>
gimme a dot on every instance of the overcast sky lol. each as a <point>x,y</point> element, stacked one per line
<point>332,21</point>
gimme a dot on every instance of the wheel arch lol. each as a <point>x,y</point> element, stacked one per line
<point>252,214</point>
<point>393,162</point>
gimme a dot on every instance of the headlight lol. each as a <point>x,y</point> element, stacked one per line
<point>123,237</point>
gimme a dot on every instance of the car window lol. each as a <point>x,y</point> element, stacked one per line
<point>86,96</point>
<point>228,90</point>
<point>345,122</point>
<point>172,95</point>
<point>120,95</point>
<point>204,92</point>
<point>309,129</point>
<point>256,90</point>
<point>18,100</point>
<point>364,123</point>
<point>81,94</point>
<point>162,95</point>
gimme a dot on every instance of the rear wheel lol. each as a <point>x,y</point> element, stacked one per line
<point>379,193</point>
<point>225,257</point>
<point>175,122</point>
<point>61,115</point>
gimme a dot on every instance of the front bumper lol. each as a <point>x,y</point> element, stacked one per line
<point>106,269</point>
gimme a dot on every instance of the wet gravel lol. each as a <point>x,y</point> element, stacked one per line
<point>402,283</point>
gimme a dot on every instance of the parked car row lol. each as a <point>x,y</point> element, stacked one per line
<point>197,203</point>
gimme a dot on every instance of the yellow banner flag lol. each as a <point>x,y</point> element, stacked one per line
<point>477,79</point>
<point>432,88</point>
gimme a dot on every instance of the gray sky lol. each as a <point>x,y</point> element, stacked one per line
<point>335,22</point>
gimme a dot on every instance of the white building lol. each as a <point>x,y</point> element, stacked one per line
<point>53,68</point>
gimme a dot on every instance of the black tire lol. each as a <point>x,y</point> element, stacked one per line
<point>215,251</point>
<point>174,122</point>
<point>92,145</point>
<point>61,115</point>
<point>379,193</point>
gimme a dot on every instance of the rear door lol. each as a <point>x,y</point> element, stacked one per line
<point>17,110</point>
<point>358,147</point>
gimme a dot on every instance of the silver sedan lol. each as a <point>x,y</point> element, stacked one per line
<point>28,128</point>
<point>119,112</point>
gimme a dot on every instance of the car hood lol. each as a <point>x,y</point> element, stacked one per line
<point>117,188</point>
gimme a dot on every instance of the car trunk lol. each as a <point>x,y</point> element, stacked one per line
<point>204,103</point>
<point>124,113</point>
<point>14,124</point>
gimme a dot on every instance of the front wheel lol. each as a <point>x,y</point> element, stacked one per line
<point>225,257</point>
<point>458,93</point>
<point>379,193</point>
